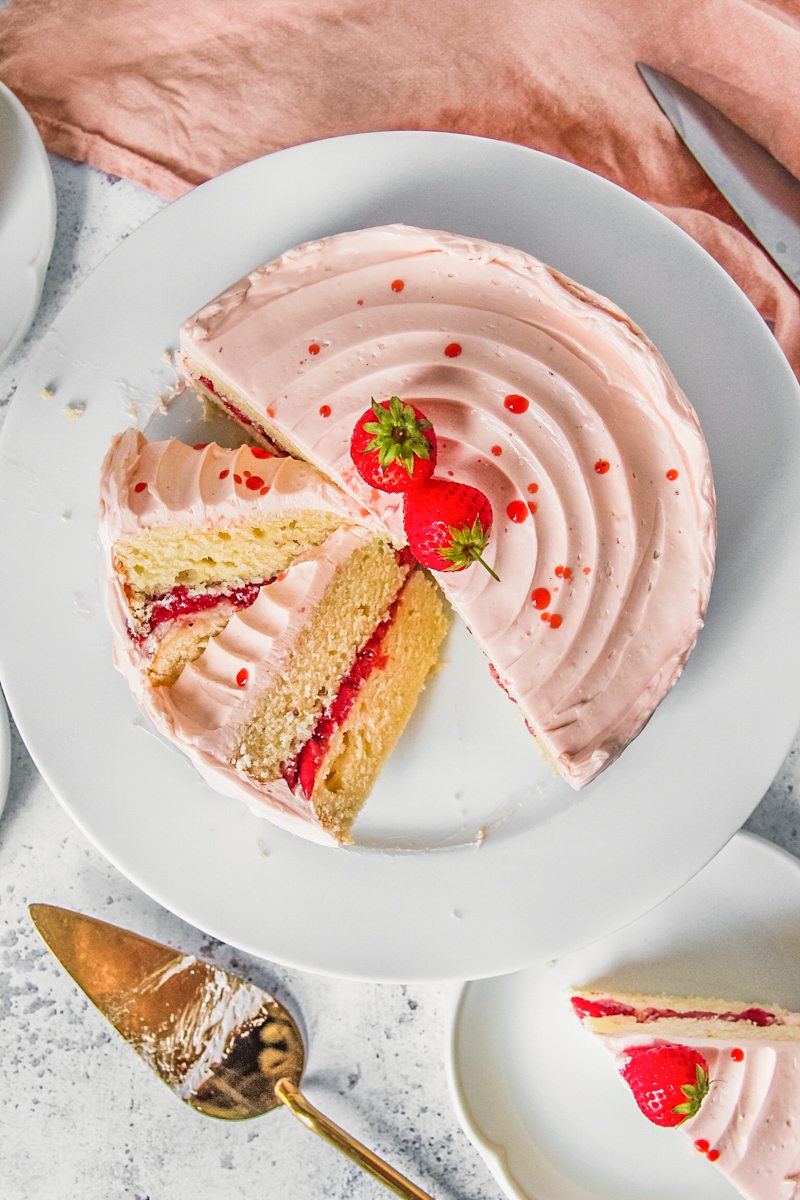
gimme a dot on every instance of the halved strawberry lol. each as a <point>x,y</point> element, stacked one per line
<point>393,446</point>
<point>448,525</point>
<point>669,1082</point>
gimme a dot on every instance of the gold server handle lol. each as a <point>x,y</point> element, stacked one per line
<point>289,1094</point>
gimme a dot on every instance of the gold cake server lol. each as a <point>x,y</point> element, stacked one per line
<point>221,1044</point>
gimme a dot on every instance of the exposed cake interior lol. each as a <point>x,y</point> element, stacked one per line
<point>619,1014</point>
<point>217,392</point>
<point>338,766</point>
<point>157,565</point>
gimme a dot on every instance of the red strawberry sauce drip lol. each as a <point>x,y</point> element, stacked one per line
<point>702,1145</point>
<point>452,350</point>
<point>517,511</point>
<point>397,285</point>
<point>602,466</point>
<point>301,773</point>
<point>313,348</point>
<point>672,475</point>
<point>516,404</point>
<point>180,602</point>
<point>541,599</point>
<point>712,1155</point>
<point>586,1007</point>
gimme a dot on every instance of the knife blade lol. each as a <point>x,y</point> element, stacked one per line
<point>764,194</point>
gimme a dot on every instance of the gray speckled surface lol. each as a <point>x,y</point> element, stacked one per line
<point>79,1114</point>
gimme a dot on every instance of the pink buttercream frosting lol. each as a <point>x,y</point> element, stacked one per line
<point>751,1115</point>
<point>625,550</point>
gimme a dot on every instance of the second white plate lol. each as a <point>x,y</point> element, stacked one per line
<point>539,1096</point>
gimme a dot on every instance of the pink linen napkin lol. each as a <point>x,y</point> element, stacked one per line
<point>170,94</point>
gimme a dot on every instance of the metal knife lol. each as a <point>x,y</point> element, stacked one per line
<point>759,188</point>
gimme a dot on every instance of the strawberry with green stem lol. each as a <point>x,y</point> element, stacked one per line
<point>393,446</point>
<point>448,525</point>
<point>669,1082</point>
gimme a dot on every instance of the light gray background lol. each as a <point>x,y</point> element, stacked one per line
<point>80,1116</point>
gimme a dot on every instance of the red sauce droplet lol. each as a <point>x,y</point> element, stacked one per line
<point>516,404</point>
<point>200,445</point>
<point>359,301</point>
<point>270,411</point>
<point>545,616</point>
<point>264,490</point>
<point>737,1055</point>
<point>237,479</point>
<point>567,572</point>
<point>397,285</point>
<point>533,488</point>
<point>532,507</point>
<point>313,348</point>
<point>255,482</point>
<point>672,475</point>
<point>140,487</point>
<point>559,572</point>
<point>702,1145</point>
<point>452,350</point>
<point>712,1155</point>
<point>325,410</point>
<point>243,677</point>
<point>555,621</point>
<point>587,570</point>
<point>497,451</point>
<point>517,511</point>
<point>247,474</point>
<point>540,598</point>
<point>601,466</point>
<point>280,577</point>
<point>224,474</point>
<point>259,452</point>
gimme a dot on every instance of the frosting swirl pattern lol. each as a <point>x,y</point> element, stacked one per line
<point>544,395</point>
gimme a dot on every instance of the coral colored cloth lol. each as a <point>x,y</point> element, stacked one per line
<point>172,92</point>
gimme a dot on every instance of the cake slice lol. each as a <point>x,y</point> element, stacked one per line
<point>267,625</point>
<point>191,533</point>
<point>297,702</point>
<point>727,1073</point>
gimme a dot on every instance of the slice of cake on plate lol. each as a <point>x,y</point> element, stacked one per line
<point>726,1073</point>
<point>269,630</point>
<point>549,401</point>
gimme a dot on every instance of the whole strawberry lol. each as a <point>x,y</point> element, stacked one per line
<point>448,525</point>
<point>393,446</point>
<point>669,1082</point>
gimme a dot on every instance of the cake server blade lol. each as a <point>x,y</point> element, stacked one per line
<point>760,189</point>
<point>221,1044</point>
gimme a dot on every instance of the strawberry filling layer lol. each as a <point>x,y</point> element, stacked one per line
<point>301,772</point>
<point>236,412</point>
<point>613,1008</point>
<point>180,602</point>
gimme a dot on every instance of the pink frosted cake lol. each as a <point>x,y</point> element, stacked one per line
<point>544,396</point>
<point>726,1073</point>
<point>265,622</point>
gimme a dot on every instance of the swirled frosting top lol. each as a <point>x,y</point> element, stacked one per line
<point>749,1119</point>
<point>544,395</point>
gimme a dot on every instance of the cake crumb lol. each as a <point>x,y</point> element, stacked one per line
<point>75,410</point>
<point>166,355</point>
<point>47,393</point>
<point>481,835</point>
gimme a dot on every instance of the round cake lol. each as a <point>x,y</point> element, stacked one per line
<point>547,398</point>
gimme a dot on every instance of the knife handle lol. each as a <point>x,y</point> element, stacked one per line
<point>289,1094</point>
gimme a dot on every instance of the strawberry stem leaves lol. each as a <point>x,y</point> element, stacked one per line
<point>398,434</point>
<point>467,546</point>
<point>695,1094</point>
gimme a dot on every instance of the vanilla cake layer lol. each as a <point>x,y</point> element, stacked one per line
<point>546,397</point>
<point>183,525</point>
<point>748,1123</point>
<point>254,697</point>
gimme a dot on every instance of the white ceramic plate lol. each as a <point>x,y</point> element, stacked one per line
<point>556,869</point>
<point>27,221</point>
<point>539,1096</point>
